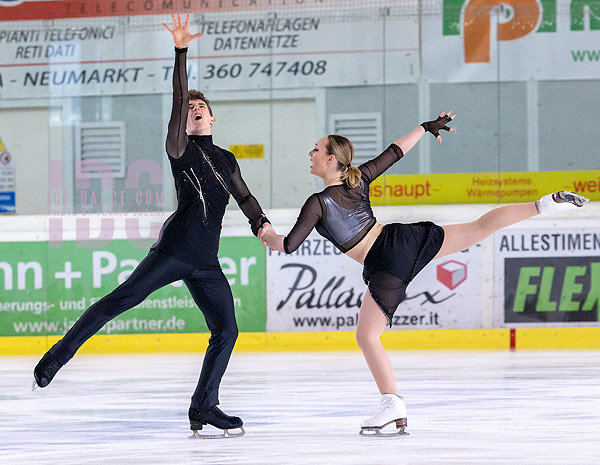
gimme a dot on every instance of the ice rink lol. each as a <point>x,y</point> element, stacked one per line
<point>306,408</point>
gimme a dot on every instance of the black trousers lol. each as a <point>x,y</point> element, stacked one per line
<point>209,289</point>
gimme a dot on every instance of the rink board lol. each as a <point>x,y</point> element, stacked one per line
<point>490,297</point>
<point>472,339</point>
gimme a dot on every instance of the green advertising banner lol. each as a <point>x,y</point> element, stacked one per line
<point>46,289</point>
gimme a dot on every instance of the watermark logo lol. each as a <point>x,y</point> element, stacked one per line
<point>516,19</point>
<point>130,198</point>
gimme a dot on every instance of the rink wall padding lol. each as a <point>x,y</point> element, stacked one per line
<point>532,286</point>
<point>558,338</point>
<point>478,339</point>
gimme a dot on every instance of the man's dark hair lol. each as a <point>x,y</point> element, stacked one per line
<point>197,95</point>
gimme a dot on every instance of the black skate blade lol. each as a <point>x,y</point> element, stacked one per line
<point>225,434</point>
<point>198,435</point>
<point>235,435</point>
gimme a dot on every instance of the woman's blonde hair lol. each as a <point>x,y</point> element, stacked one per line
<point>343,151</point>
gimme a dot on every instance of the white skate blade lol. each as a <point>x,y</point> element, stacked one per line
<point>223,435</point>
<point>398,429</point>
<point>34,386</point>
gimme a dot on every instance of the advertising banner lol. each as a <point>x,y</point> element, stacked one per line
<point>103,47</point>
<point>21,10</point>
<point>45,290</point>
<point>548,276</point>
<point>456,188</point>
<point>512,40</point>
<point>100,53</point>
<point>317,288</point>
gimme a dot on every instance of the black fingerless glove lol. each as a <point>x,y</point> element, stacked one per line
<point>257,224</point>
<point>434,127</point>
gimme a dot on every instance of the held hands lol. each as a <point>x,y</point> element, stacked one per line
<point>434,127</point>
<point>180,32</point>
<point>270,238</point>
<point>263,231</point>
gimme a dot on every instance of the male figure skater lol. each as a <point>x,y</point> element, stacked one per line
<point>187,247</point>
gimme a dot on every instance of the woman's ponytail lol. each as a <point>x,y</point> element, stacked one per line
<point>343,151</point>
<point>351,176</point>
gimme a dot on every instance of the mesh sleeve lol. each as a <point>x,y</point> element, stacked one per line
<point>177,139</point>
<point>375,167</point>
<point>247,202</point>
<point>310,214</point>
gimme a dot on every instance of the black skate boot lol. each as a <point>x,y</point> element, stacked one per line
<point>216,418</point>
<point>45,370</point>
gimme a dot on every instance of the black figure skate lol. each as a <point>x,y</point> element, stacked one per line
<point>216,418</point>
<point>45,370</point>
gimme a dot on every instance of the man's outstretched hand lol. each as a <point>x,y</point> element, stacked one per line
<point>181,32</point>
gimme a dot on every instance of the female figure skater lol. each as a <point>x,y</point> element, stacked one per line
<point>205,176</point>
<point>392,254</point>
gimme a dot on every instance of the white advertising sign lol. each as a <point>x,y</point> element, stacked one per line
<point>257,51</point>
<point>317,288</point>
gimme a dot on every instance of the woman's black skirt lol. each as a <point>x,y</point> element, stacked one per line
<point>396,257</point>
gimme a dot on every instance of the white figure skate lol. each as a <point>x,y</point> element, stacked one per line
<point>393,410</point>
<point>559,202</point>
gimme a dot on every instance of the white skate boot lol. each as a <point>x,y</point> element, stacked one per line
<point>393,410</point>
<point>559,202</point>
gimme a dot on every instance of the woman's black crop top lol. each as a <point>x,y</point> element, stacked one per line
<point>340,213</point>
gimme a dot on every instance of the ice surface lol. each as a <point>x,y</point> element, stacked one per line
<point>306,408</point>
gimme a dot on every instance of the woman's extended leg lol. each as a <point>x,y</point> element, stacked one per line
<point>459,237</point>
<point>462,236</point>
<point>371,323</point>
